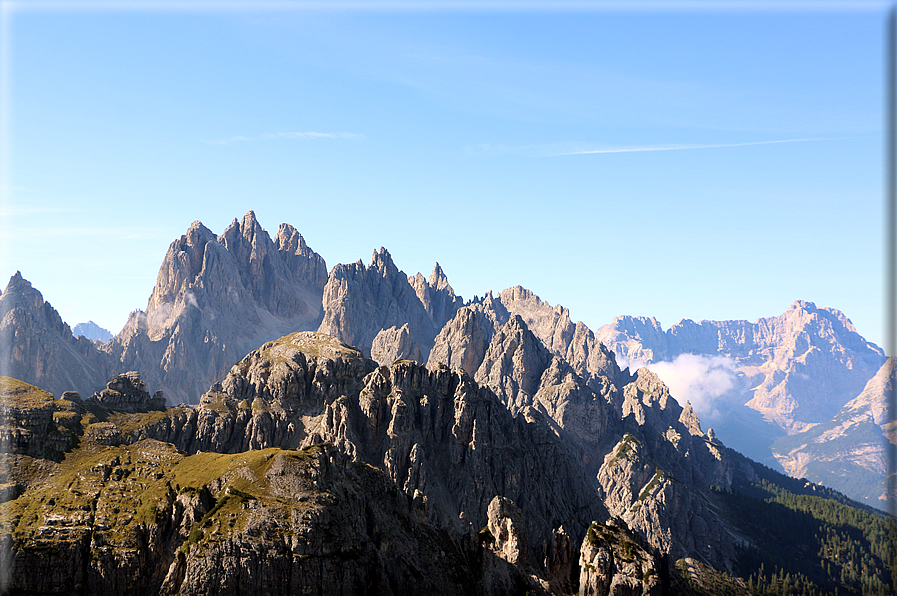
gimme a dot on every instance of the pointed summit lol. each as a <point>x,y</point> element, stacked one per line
<point>215,298</point>
<point>382,261</point>
<point>361,301</point>
<point>438,279</point>
<point>437,296</point>
<point>37,347</point>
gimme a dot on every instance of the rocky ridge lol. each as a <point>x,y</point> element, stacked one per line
<point>362,301</point>
<point>36,345</point>
<point>216,298</point>
<point>851,450</point>
<point>446,444</point>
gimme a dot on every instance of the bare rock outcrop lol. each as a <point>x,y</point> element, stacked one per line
<point>437,296</point>
<point>462,342</point>
<point>37,347</point>
<point>127,393</point>
<point>615,562</point>
<point>394,344</point>
<point>361,301</point>
<point>513,364</point>
<point>35,424</point>
<point>215,299</point>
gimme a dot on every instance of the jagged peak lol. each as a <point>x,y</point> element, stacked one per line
<point>18,285</point>
<point>287,236</point>
<point>196,234</point>
<point>803,305</point>
<point>438,278</point>
<point>382,260</point>
<point>246,230</point>
<point>250,225</point>
<point>17,281</point>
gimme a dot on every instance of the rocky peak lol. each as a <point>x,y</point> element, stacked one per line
<point>37,347</point>
<point>382,261</point>
<point>182,264</point>
<point>302,261</point>
<point>437,296</point>
<point>361,301</point>
<point>216,298</point>
<point>127,393</point>
<point>463,341</point>
<point>513,364</point>
<point>438,279</point>
<point>394,344</point>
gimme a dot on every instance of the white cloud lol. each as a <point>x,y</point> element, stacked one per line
<point>623,361</point>
<point>643,148</point>
<point>287,135</point>
<point>191,299</point>
<point>564,149</point>
<point>312,135</point>
<point>697,378</point>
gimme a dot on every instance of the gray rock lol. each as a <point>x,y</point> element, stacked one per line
<point>215,299</point>
<point>37,347</point>
<point>360,301</point>
<point>394,344</point>
<point>127,393</point>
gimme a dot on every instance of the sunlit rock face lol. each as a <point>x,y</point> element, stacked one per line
<point>37,347</point>
<point>215,299</point>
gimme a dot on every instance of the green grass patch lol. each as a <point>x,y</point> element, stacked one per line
<point>22,395</point>
<point>130,423</point>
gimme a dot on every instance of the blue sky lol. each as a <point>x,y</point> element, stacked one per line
<point>703,164</point>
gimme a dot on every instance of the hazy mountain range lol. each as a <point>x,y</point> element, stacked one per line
<point>528,449</point>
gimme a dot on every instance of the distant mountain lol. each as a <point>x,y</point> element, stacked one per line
<point>92,331</point>
<point>416,442</point>
<point>37,346</point>
<point>849,451</point>
<point>759,382</point>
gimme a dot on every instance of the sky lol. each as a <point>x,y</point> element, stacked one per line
<point>704,161</point>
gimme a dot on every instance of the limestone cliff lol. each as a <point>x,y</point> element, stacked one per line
<point>360,301</point>
<point>798,368</point>
<point>216,298</point>
<point>850,450</point>
<point>37,347</point>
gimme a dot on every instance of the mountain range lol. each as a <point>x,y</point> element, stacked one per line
<point>483,446</point>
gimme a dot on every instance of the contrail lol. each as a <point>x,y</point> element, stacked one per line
<point>684,147</point>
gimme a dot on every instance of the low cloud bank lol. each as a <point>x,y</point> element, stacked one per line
<point>697,378</point>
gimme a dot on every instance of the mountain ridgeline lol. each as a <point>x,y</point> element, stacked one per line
<point>380,435</point>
